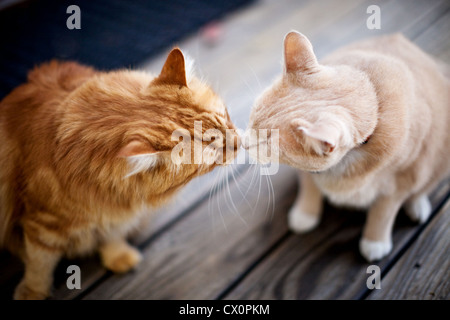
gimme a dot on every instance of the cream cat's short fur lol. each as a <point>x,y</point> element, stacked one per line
<point>367,127</point>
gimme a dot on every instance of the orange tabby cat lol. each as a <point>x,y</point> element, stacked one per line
<point>83,152</point>
<point>368,128</point>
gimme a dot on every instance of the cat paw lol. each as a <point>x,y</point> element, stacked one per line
<point>123,260</point>
<point>24,292</point>
<point>374,250</point>
<point>419,210</point>
<point>300,222</point>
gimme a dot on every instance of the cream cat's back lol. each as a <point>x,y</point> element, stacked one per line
<point>432,94</point>
<point>431,76</point>
<point>399,70</point>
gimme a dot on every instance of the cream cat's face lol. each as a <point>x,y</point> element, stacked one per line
<point>321,112</point>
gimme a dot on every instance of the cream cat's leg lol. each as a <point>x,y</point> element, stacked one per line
<point>376,242</point>
<point>118,256</point>
<point>305,213</point>
<point>40,261</point>
<point>418,208</point>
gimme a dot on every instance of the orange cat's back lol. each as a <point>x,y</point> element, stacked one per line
<point>22,113</point>
<point>46,86</point>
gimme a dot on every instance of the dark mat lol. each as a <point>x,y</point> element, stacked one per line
<point>113,34</point>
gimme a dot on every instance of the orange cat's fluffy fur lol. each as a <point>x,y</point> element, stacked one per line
<point>71,136</point>
<point>368,128</point>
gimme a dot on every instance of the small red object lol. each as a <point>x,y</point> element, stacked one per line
<point>212,33</point>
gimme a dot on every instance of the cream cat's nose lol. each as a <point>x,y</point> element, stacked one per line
<point>233,140</point>
<point>244,139</point>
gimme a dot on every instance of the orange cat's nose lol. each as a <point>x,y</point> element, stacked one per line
<point>232,145</point>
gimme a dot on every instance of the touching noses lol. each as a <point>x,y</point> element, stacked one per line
<point>245,139</point>
<point>236,140</point>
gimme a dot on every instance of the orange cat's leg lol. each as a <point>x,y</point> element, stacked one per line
<point>40,261</point>
<point>118,256</point>
<point>376,242</point>
<point>305,213</point>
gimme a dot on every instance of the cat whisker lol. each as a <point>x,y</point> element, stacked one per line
<point>234,208</point>
<point>271,197</point>
<point>213,191</point>
<point>222,184</point>
<point>254,166</point>
<point>259,187</point>
<point>252,183</point>
<point>256,77</point>
<point>237,185</point>
<point>253,93</point>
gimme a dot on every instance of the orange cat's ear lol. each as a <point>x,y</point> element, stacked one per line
<point>321,137</point>
<point>298,53</point>
<point>173,71</point>
<point>134,148</point>
<point>140,156</point>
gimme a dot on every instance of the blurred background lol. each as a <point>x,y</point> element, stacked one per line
<point>113,34</point>
<point>225,236</point>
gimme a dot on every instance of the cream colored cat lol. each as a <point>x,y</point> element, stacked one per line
<point>368,128</point>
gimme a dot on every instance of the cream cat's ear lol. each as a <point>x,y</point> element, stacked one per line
<point>298,53</point>
<point>321,137</point>
<point>173,71</point>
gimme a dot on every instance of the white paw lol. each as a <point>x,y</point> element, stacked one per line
<point>419,210</point>
<point>374,250</point>
<point>300,222</point>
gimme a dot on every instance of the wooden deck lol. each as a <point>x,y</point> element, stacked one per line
<point>225,235</point>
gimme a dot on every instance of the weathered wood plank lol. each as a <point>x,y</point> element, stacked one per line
<point>331,270</point>
<point>436,38</point>
<point>423,272</point>
<point>196,261</point>
<point>408,17</point>
<point>238,28</point>
<point>199,255</point>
